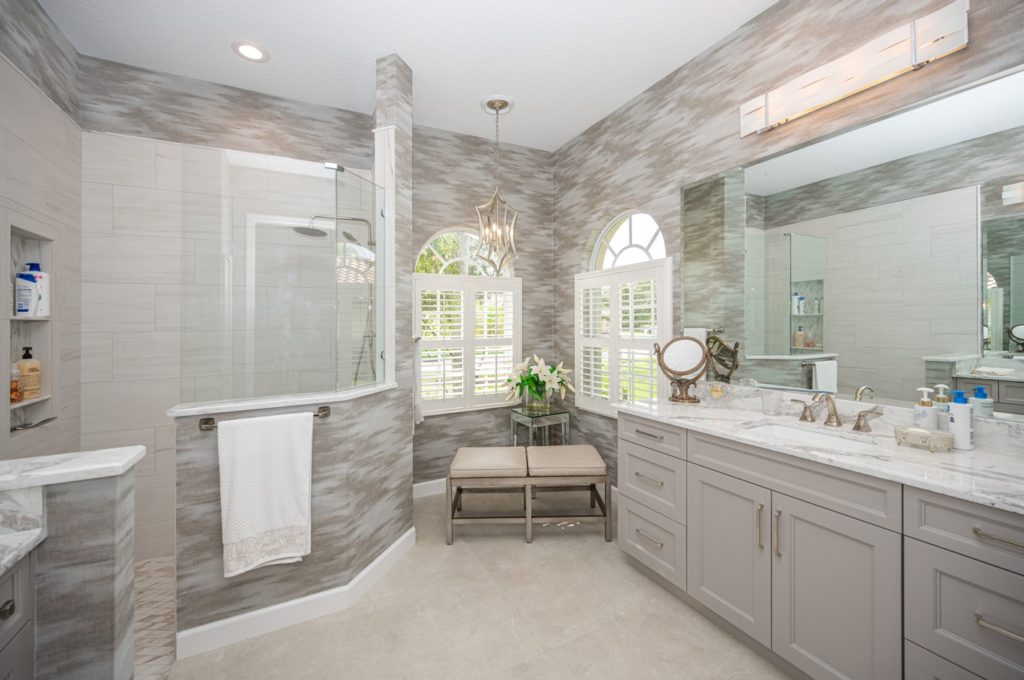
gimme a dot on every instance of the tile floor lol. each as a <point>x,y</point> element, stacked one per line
<point>154,618</point>
<point>490,606</point>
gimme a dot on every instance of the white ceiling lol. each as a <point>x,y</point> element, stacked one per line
<point>567,63</point>
<point>979,111</point>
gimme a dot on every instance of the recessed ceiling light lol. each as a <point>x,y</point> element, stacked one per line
<point>250,51</point>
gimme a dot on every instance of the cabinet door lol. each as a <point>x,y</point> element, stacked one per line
<point>836,593</point>
<point>728,561</point>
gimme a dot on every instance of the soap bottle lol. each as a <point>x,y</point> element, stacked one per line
<point>25,295</point>
<point>796,303</point>
<point>925,413</point>
<point>960,421</point>
<point>981,403</point>
<point>798,337</point>
<point>31,375</point>
<point>15,384</point>
<point>942,406</point>
<point>42,288</point>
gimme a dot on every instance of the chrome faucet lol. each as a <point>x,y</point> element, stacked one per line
<point>833,415</point>
<point>859,394</point>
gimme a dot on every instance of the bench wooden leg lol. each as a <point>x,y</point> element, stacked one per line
<point>608,509</point>
<point>458,498</point>
<point>528,495</point>
<point>593,495</point>
<point>448,510</point>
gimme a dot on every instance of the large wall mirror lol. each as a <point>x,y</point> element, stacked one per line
<point>891,255</point>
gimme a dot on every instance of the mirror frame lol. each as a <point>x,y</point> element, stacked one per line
<point>682,381</point>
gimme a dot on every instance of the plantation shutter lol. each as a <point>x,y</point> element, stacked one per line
<point>620,314</point>
<point>469,328</point>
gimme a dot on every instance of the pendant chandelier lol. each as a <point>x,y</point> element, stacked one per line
<point>497,218</point>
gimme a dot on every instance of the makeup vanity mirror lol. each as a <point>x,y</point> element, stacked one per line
<point>895,249</point>
<point>684,361</point>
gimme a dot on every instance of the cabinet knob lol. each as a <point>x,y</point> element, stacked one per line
<point>7,610</point>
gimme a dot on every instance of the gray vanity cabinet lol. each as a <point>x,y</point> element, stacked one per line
<point>836,600</point>
<point>17,628</point>
<point>728,558</point>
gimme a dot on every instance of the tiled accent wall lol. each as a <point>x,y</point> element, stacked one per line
<point>37,48</point>
<point>131,276</point>
<point>684,128</point>
<point>453,173</point>
<point>40,166</point>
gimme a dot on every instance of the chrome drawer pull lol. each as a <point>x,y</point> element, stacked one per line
<point>650,480</point>
<point>981,534</point>
<point>649,539</point>
<point>650,435</point>
<point>757,525</point>
<point>997,629</point>
<point>775,533</point>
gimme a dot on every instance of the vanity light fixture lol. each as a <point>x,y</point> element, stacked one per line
<point>497,246</point>
<point>903,49</point>
<point>250,52</point>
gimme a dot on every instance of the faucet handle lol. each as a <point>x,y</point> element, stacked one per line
<point>864,416</point>
<point>808,413</point>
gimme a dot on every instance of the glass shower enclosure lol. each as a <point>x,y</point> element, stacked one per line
<point>282,279</point>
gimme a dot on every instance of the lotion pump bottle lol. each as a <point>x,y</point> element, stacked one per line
<point>942,406</point>
<point>960,421</point>
<point>925,413</point>
<point>981,403</point>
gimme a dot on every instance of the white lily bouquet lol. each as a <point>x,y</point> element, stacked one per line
<point>537,383</point>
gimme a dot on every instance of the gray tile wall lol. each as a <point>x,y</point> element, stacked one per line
<point>84,581</point>
<point>684,128</point>
<point>37,48</point>
<point>453,173</point>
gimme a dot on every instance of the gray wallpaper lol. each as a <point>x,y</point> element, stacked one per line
<point>685,127</point>
<point>452,174</point>
<point>133,101</point>
<point>37,48</point>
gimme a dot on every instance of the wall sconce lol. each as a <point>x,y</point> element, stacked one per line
<point>903,49</point>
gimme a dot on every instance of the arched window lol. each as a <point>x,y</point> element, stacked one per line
<point>630,239</point>
<point>452,252</point>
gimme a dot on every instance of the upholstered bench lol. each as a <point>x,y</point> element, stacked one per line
<point>514,469</point>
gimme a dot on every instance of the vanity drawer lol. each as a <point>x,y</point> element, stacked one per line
<point>990,535</point>
<point>865,498</point>
<point>664,438</point>
<point>654,479</point>
<point>968,385</point>
<point>1011,392</point>
<point>654,540</point>
<point>966,611</point>
<point>17,600</point>
<point>924,665</point>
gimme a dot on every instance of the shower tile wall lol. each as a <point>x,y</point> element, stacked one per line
<point>131,255</point>
<point>40,165</point>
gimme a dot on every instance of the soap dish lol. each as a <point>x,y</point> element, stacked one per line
<point>920,438</point>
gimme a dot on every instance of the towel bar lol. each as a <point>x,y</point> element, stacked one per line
<point>209,423</point>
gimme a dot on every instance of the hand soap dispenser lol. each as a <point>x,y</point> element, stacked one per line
<point>942,406</point>
<point>925,413</point>
<point>960,421</point>
<point>31,376</point>
<point>981,403</point>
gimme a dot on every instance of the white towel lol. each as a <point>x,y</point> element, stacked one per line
<point>826,376</point>
<point>265,470</point>
<point>699,333</point>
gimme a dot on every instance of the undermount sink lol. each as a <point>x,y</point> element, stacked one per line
<point>806,437</point>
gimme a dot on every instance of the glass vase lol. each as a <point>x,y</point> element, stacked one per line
<point>536,406</point>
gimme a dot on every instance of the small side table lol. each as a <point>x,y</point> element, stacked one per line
<point>539,425</point>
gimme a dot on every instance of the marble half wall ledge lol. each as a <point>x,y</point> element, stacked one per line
<point>60,468</point>
<point>204,408</point>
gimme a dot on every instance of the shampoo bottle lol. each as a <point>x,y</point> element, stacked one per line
<point>31,375</point>
<point>25,295</point>
<point>960,421</point>
<point>981,403</point>
<point>42,288</point>
<point>925,413</point>
<point>942,406</point>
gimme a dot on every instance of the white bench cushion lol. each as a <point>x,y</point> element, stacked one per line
<point>580,460</point>
<point>489,461</point>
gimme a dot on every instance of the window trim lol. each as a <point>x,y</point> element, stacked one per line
<point>465,260</point>
<point>659,270</point>
<point>602,243</point>
<point>469,285</point>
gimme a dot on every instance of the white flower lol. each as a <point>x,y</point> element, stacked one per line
<point>550,381</point>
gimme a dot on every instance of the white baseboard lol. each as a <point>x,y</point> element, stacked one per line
<point>217,634</point>
<point>429,488</point>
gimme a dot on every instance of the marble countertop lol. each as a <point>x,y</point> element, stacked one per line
<point>14,545</point>
<point>1016,376</point>
<point>988,476</point>
<point>23,473</point>
<point>205,408</point>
